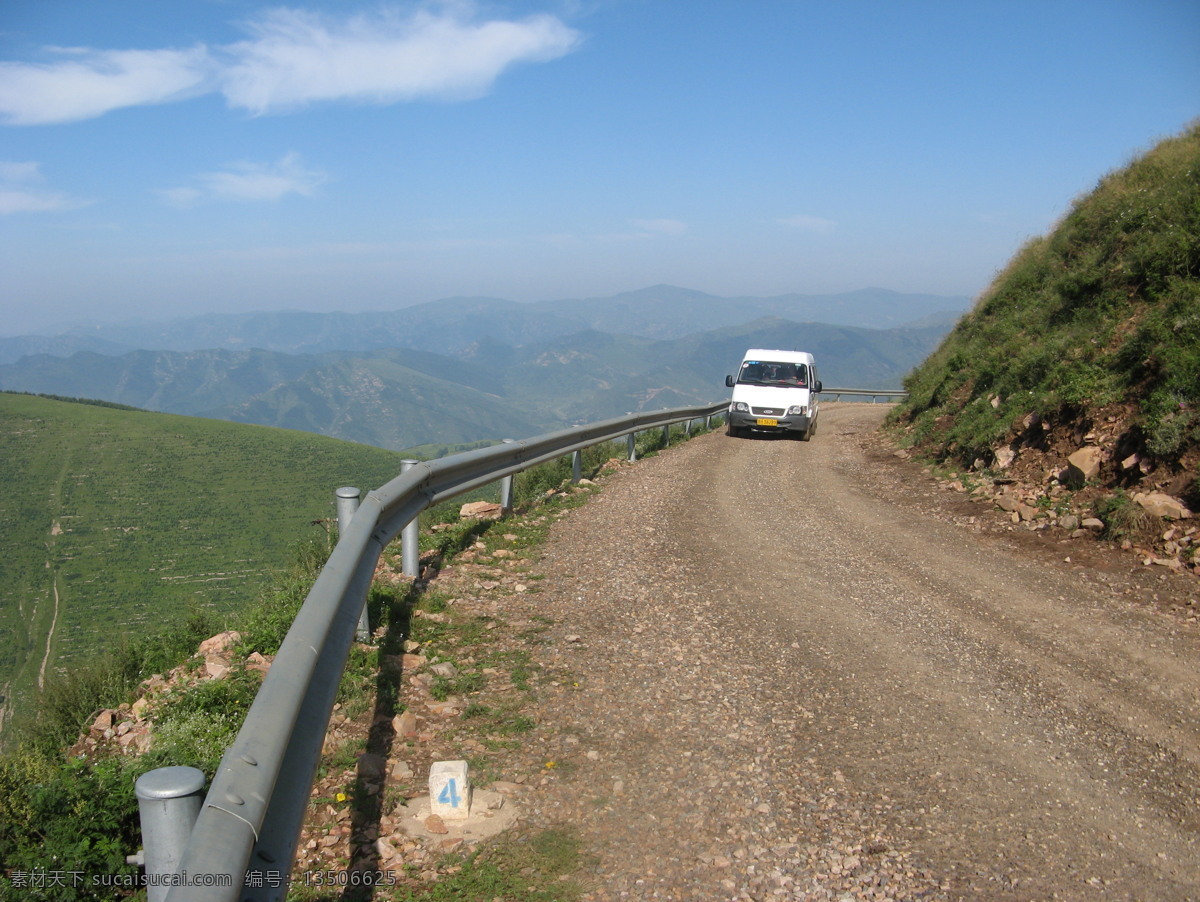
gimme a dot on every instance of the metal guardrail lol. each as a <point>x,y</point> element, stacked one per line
<point>897,394</point>
<point>243,841</point>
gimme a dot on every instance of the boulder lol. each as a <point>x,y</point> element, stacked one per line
<point>1027,512</point>
<point>1007,502</point>
<point>219,643</point>
<point>385,850</point>
<point>1084,464</point>
<point>406,725</point>
<point>104,720</point>
<point>481,510</point>
<point>1162,505</point>
<point>1005,457</point>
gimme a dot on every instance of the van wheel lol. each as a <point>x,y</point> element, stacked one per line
<point>733,431</point>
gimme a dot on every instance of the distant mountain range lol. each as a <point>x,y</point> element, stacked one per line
<point>465,369</point>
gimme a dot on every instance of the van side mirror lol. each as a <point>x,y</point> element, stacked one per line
<point>729,381</point>
<point>817,388</point>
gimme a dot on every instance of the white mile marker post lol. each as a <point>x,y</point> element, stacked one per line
<point>449,790</point>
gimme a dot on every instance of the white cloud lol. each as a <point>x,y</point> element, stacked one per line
<point>661,226</point>
<point>809,223</point>
<point>250,182</point>
<point>294,58</point>
<point>20,172</point>
<point>90,83</point>
<point>299,58</point>
<point>20,191</point>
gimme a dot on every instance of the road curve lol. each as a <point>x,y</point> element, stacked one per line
<point>797,685</point>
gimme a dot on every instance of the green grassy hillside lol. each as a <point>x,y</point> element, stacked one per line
<point>1095,325</point>
<point>117,521</point>
<point>381,401</point>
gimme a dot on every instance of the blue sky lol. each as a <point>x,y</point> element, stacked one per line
<point>169,158</point>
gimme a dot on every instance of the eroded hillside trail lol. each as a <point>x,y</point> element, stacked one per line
<point>793,678</point>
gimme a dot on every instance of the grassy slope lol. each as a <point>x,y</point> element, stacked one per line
<point>135,517</point>
<point>1099,318</point>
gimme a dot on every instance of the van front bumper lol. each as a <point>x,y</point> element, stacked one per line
<point>741,420</point>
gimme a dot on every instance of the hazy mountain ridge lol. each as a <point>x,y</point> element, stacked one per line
<point>452,325</point>
<point>489,369</point>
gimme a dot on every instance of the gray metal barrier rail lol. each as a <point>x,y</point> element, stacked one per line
<point>243,841</point>
<point>897,394</point>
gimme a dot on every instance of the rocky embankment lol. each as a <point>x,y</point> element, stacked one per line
<point>1086,483</point>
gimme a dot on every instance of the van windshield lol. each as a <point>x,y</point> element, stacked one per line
<point>765,372</point>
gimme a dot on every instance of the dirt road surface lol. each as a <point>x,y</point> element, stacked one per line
<point>793,674</point>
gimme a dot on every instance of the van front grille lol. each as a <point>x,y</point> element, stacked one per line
<point>767,411</point>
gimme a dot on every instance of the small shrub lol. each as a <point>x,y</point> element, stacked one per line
<point>233,692</point>
<point>1125,519</point>
<point>196,739</point>
<point>79,818</point>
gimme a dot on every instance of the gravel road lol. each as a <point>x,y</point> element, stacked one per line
<point>783,677</point>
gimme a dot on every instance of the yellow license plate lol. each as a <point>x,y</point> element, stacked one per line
<point>768,422</point>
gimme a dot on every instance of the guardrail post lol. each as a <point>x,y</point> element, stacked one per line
<point>632,446</point>
<point>347,505</point>
<point>667,435</point>
<point>506,486</point>
<point>576,466</point>
<point>410,536</point>
<point>169,801</point>
<point>687,427</point>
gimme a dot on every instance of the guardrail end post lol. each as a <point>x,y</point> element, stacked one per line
<point>169,801</point>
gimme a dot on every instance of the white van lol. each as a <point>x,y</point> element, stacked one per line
<point>775,391</point>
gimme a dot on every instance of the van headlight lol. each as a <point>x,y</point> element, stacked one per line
<point>741,407</point>
<point>797,410</point>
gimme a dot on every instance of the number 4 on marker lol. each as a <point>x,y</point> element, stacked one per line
<point>449,795</point>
